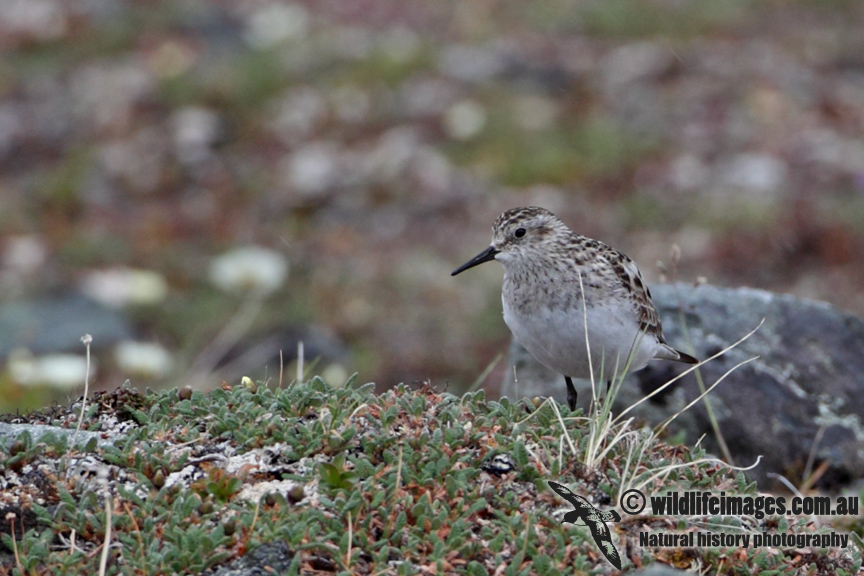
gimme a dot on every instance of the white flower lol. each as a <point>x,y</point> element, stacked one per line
<point>464,120</point>
<point>143,358</point>
<point>276,23</point>
<point>118,287</point>
<point>253,268</point>
<point>64,371</point>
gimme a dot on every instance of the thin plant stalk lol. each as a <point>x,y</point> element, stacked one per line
<point>87,339</point>
<point>106,545</point>
<point>712,418</point>
<point>485,373</point>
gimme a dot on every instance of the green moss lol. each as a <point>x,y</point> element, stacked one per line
<point>639,18</point>
<point>390,476</point>
<point>592,148</point>
<point>397,475</point>
<point>59,187</point>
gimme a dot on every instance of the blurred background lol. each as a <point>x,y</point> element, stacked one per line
<point>203,184</point>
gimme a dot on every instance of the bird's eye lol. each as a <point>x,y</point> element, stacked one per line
<point>519,233</point>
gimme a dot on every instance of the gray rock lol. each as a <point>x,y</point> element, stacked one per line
<point>57,324</point>
<point>269,558</point>
<point>10,432</point>
<point>799,400</point>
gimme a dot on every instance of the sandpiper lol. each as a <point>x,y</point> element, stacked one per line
<point>554,279</point>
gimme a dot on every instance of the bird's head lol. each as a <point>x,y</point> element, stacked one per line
<point>520,235</point>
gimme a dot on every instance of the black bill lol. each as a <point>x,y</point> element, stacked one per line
<point>485,256</point>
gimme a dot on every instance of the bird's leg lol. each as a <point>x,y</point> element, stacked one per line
<point>571,393</point>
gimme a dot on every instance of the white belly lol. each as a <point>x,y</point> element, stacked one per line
<point>556,339</point>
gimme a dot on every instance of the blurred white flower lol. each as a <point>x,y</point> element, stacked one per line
<point>118,287</point>
<point>143,358</point>
<point>64,371</point>
<point>754,172</point>
<point>464,120</point>
<point>312,169</point>
<point>276,23</point>
<point>44,19</point>
<point>253,268</point>
<point>336,375</point>
<point>24,254</point>
<point>195,131</point>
